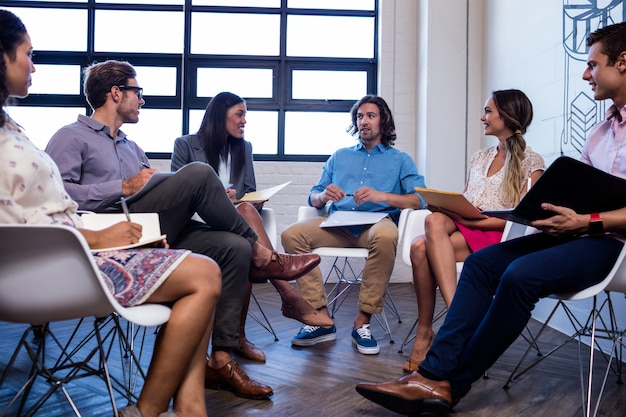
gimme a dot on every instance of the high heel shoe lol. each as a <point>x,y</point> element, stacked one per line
<point>297,308</point>
<point>410,366</point>
<point>249,350</point>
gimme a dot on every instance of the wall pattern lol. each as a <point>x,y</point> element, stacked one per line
<point>581,111</point>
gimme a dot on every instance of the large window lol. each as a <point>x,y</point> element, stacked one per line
<point>300,65</point>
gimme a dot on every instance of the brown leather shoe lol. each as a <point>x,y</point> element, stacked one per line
<point>411,394</point>
<point>232,378</point>
<point>285,267</point>
<point>248,350</point>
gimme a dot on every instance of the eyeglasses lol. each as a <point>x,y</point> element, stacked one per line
<point>137,90</point>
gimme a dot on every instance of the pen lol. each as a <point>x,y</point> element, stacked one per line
<point>125,208</point>
<point>143,164</point>
<point>349,195</point>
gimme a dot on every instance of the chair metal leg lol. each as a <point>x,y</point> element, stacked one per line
<point>347,278</point>
<point>264,322</point>
<point>595,327</point>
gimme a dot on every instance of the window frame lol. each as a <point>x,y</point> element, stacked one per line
<point>187,64</point>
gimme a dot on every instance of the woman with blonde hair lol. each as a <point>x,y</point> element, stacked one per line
<point>499,176</point>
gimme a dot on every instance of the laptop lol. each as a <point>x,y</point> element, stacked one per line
<point>568,183</point>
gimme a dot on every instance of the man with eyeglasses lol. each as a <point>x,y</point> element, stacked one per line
<point>99,166</point>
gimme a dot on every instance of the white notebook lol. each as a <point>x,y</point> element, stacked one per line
<point>150,232</point>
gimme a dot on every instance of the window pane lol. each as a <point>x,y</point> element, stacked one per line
<point>336,40</point>
<point>261,129</point>
<point>332,4</point>
<point>245,82</point>
<point>331,85</point>
<point>157,81</point>
<point>40,123</point>
<point>55,34</point>
<point>237,3</point>
<point>299,140</point>
<point>148,34</point>
<point>208,29</point>
<point>56,79</point>
<point>156,130</point>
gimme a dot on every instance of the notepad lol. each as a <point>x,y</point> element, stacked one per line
<point>261,196</point>
<point>450,201</point>
<point>352,218</point>
<point>568,183</point>
<point>150,232</point>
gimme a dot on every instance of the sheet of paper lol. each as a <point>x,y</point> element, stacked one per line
<point>352,218</point>
<point>261,196</point>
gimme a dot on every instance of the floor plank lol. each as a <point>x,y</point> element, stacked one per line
<point>320,380</point>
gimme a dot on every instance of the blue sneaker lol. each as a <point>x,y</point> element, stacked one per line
<point>364,341</point>
<point>312,335</point>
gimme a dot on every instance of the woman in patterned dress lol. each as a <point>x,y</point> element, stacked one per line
<point>498,177</point>
<point>31,191</point>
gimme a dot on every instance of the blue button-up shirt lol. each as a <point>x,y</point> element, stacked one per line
<point>384,168</point>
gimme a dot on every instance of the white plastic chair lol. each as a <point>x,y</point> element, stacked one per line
<point>614,281</point>
<point>415,227</point>
<point>346,273</point>
<point>269,223</point>
<point>47,274</point>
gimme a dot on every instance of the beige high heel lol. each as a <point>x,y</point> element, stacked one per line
<point>297,308</point>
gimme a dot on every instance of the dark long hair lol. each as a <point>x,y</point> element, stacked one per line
<point>387,125</point>
<point>216,140</point>
<point>12,32</point>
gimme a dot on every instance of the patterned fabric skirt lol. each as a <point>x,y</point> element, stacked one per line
<point>132,275</point>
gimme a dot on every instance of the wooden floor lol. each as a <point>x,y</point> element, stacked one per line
<point>320,380</point>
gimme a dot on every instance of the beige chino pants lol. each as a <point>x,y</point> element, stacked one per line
<point>381,239</point>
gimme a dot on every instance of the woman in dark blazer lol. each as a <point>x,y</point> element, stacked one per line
<point>219,142</point>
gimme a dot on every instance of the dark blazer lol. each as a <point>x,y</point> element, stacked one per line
<point>189,149</point>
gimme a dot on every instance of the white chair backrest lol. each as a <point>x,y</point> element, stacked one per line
<point>308,212</point>
<point>47,274</point>
<point>269,223</point>
<point>618,274</point>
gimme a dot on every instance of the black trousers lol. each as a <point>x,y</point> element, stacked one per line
<point>225,236</point>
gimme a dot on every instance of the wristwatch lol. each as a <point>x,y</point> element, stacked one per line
<point>596,227</point>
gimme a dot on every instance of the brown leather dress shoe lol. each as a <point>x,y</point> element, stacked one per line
<point>409,395</point>
<point>248,350</point>
<point>232,378</point>
<point>285,267</point>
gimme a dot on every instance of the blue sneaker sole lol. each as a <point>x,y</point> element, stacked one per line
<point>314,340</point>
<point>364,350</point>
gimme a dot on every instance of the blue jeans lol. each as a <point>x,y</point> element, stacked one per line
<point>497,291</point>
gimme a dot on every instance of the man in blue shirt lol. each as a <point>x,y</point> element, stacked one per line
<point>371,176</point>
